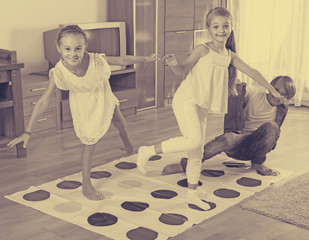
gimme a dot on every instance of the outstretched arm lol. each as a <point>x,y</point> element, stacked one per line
<point>256,76</point>
<point>184,67</point>
<point>282,111</point>
<point>39,108</point>
<point>129,60</point>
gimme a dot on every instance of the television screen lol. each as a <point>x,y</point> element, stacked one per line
<point>106,37</point>
<point>97,41</point>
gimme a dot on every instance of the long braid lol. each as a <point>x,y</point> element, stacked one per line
<point>230,44</point>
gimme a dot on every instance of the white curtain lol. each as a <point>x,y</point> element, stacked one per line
<point>273,37</point>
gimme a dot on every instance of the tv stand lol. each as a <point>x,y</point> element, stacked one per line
<point>123,84</point>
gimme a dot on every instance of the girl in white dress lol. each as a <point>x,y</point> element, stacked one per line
<point>92,102</point>
<point>210,74</point>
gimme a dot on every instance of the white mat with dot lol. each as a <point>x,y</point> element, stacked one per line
<point>149,207</point>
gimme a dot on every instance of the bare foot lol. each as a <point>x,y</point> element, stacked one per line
<point>90,193</point>
<point>172,168</point>
<point>263,170</point>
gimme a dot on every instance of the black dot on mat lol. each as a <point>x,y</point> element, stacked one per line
<point>212,173</point>
<point>226,193</point>
<point>172,219</point>
<point>164,194</point>
<point>100,174</point>
<point>261,173</point>
<point>184,183</point>
<point>234,164</point>
<point>102,219</point>
<point>125,165</point>
<point>135,206</point>
<point>69,184</point>
<point>39,195</point>
<point>249,182</point>
<point>142,233</point>
<point>155,158</point>
<point>211,204</point>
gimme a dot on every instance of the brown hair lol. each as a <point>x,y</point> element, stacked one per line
<point>69,29</point>
<point>288,83</point>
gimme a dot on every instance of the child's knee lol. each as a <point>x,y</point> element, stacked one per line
<point>271,131</point>
<point>117,117</point>
<point>194,143</point>
<point>224,140</point>
<point>271,125</point>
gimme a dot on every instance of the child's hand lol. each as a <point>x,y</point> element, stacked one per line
<point>280,98</point>
<point>170,60</point>
<point>22,138</point>
<point>152,57</point>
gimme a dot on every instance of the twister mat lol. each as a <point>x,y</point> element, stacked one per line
<point>145,207</point>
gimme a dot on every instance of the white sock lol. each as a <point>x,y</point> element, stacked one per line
<point>144,153</point>
<point>193,198</point>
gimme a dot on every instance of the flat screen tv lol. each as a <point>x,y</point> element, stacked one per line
<point>103,37</point>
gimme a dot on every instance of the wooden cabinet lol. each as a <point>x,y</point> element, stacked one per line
<point>179,15</point>
<point>179,43</point>
<point>201,8</point>
<point>58,114</point>
<point>171,83</point>
<point>178,39</point>
<point>141,25</point>
<point>11,104</point>
<point>33,86</point>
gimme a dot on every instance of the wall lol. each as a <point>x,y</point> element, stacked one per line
<point>22,24</point>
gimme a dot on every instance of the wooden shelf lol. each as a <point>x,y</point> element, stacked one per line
<point>11,66</point>
<point>33,86</point>
<point>128,70</point>
<point>6,103</point>
<point>4,141</point>
<point>116,88</point>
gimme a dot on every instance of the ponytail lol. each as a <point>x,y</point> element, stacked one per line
<point>230,44</point>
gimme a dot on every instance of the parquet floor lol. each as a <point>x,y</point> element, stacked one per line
<point>55,154</point>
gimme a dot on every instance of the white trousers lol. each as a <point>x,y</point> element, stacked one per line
<point>192,121</point>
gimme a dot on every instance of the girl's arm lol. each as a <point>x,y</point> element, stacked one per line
<point>129,60</point>
<point>39,108</point>
<point>255,75</point>
<point>184,67</point>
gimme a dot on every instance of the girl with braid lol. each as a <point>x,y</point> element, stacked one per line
<point>210,72</point>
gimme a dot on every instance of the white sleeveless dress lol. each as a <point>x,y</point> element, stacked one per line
<point>207,82</point>
<point>91,99</point>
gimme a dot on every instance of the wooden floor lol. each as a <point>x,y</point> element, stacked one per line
<point>55,154</point>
